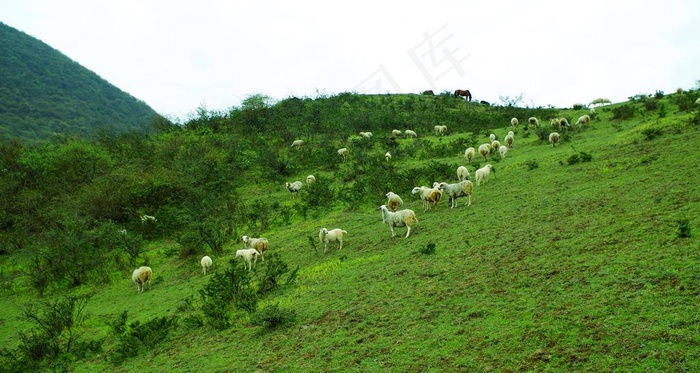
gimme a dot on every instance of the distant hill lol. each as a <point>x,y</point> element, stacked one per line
<point>44,93</point>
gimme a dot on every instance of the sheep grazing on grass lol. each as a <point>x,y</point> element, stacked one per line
<point>394,201</point>
<point>583,120</point>
<point>469,154</point>
<point>463,173</point>
<point>333,235</point>
<point>503,150</point>
<point>697,102</point>
<point>553,138</point>
<point>495,144</point>
<point>484,150</point>
<point>429,196</point>
<point>366,135</point>
<point>555,122</point>
<point>563,122</point>
<point>147,219</point>
<point>298,144</point>
<point>387,156</point>
<point>492,137</point>
<point>206,264</point>
<point>310,179</point>
<point>509,140</point>
<point>294,187</point>
<point>440,130</point>
<point>461,189</point>
<point>514,123</point>
<point>396,133</point>
<point>533,122</point>
<point>403,218</point>
<point>410,133</point>
<point>142,276</point>
<point>483,173</point>
<point>600,101</point>
<point>250,257</point>
<point>261,244</point>
<point>343,152</point>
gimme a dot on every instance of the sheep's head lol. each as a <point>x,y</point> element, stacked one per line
<point>383,208</point>
<point>245,239</point>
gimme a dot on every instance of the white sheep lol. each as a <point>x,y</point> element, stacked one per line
<point>583,120</point>
<point>514,123</point>
<point>533,122</point>
<point>555,122</point>
<point>510,133</point>
<point>403,218</point>
<point>495,144</point>
<point>395,133</point>
<point>366,135</point>
<point>484,150</point>
<point>261,244</point>
<point>142,276</point>
<point>600,101</point>
<point>509,140</point>
<point>250,257</point>
<point>387,156</point>
<point>310,179</point>
<point>440,130</point>
<point>298,144</point>
<point>492,137</point>
<point>206,263</point>
<point>147,219</point>
<point>503,150</point>
<point>333,235</point>
<point>483,173</point>
<point>463,173</point>
<point>410,133</point>
<point>294,187</point>
<point>563,122</point>
<point>469,154</point>
<point>343,152</point>
<point>697,102</point>
<point>461,189</point>
<point>394,201</point>
<point>429,196</point>
<point>553,138</point>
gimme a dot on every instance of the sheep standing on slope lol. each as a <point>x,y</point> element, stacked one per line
<point>461,189</point>
<point>394,201</point>
<point>250,257</point>
<point>563,122</point>
<point>298,144</point>
<point>387,156</point>
<point>429,196</point>
<point>492,137</point>
<point>261,244</point>
<point>398,219</point>
<point>533,122</point>
<point>395,133</point>
<point>514,123</point>
<point>463,173</point>
<point>366,135</point>
<point>483,173</point>
<point>503,150</point>
<point>583,120</point>
<point>142,277</point>
<point>333,235</point>
<point>495,144</point>
<point>553,138</point>
<point>440,130</point>
<point>294,187</point>
<point>310,179</point>
<point>469,154</point>
<point>206,263</point>
<point>697,102</point>
<point>410,133</point>
<point>484,150</point>
<point>509,140</point>
<point>343,152</point>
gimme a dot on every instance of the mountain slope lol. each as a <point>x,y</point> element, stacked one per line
<point>43,92</point>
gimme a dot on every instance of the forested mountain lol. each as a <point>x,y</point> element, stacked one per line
<point>43,92</point>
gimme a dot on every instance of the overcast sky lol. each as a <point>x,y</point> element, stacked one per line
<point>180,55</point>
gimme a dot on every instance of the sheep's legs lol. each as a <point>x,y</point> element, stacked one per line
<point>392,231</point>
<point>408,230</point>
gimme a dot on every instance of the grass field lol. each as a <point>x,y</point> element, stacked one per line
<point>554,267</point>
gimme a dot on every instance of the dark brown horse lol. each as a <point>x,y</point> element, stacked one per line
<point>464,93</point>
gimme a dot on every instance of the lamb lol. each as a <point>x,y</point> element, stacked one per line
<point>461,189</point>
<point>326,236</point>
<point>509,140</point>
<point>206,263</point>
<point>298,144</point>
<point>310,179</point>
<point>142,276</point>
<point>492,137</point>
<point>514,123</point>
<point>463,173</point>
<point>583,120</point>
<point>343,152</point>
<point>533,122</point>
<point>553,138</point>
<point>483,173</point>
<point>398,219</point>
<point>387,156</point>
<point>261,244</point>
<point>429,196</point>
<point>440,130</point>
<point>248,255</point>
<point>469,154</point>
<point>394,201</point>
<point>484,150</point>
<point>395,133</point>
<point>294,187</point>
<point>410,133</point>
<point>503,150</point>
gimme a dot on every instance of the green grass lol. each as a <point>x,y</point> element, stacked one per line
<point>557,268</point>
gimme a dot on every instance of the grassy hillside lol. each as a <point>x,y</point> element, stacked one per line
<point>580,257</point>
<point>45,93</point>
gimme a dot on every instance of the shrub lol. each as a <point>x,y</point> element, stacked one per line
<point>651,133</point>
<point>428,250</point>
<point>226,289</point>
<point>684,230</point>
<point>531,164</point>
<point>660,94</point>
<point>623,112</point>
<point>272,316</point>
<point>578,106</point>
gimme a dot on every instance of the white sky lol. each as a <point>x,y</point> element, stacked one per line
<point>180,55</point>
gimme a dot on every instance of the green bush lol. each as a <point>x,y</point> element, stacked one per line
<point>651,133</point>
<point>623,112</point>
<point>684,230</point>
<point>428,249</point>
<point>272,316</point>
